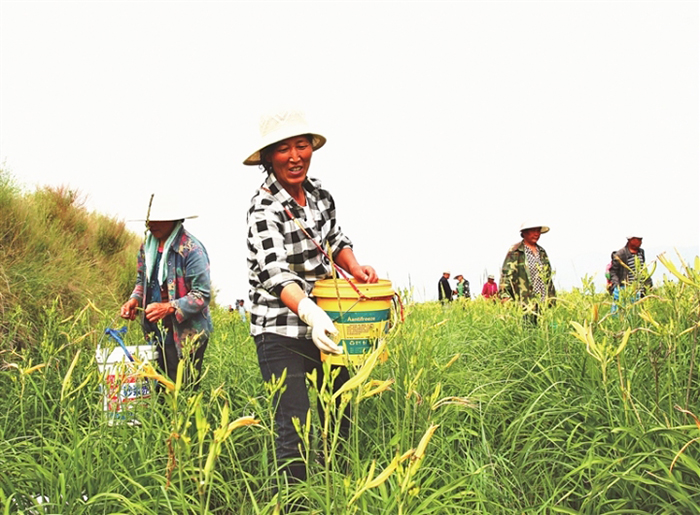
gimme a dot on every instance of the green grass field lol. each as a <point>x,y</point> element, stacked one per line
<point>472,412</point>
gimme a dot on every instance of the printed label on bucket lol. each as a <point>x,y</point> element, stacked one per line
<point>123,393</point>
<point>356,346</point>
<point>124,389</point>
<point>363,317</point>
<point>359,331</point>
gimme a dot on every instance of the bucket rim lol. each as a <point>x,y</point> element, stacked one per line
<point>326,289</point>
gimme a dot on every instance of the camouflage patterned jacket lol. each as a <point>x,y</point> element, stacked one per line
<point>189,287</point>
<point>515,276</point>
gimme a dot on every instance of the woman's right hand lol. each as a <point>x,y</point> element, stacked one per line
<point>128,310</point>
<point>322,327</point>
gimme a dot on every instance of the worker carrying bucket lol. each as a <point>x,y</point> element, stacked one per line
<point>294,241</point>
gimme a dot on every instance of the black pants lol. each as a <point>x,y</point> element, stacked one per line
<point>299,356</point>
<point>168,360</point>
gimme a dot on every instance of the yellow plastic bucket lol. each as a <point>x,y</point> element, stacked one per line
<point>361,320</point>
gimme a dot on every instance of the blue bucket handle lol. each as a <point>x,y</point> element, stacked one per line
<point>116,334</point>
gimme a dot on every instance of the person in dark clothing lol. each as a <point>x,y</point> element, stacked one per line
<point>627,264</point>
<point>627,268</point>
<point>444,288</point>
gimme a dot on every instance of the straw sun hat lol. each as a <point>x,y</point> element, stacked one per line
<point>280,125</point>
<point>163,211</point>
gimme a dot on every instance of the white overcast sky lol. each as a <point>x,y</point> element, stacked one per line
<point>448,123</point>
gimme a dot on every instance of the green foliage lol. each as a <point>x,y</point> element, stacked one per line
<point>474,411</point>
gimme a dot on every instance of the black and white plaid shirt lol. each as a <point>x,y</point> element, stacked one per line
<point>279,253</point>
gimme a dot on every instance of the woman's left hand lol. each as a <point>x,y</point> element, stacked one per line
<point>158,311</point>
<point>364,274</point>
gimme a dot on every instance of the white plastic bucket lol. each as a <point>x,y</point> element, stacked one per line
<point>124,390</point>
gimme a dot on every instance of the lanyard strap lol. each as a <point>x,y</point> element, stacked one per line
<point>303,230</point>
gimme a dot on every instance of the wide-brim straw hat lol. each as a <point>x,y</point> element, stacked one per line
<point>531,225</point>
<point>163,211</point>
<point>280,125</point>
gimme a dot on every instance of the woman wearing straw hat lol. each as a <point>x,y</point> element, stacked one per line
<point>291,225</point>
<point>173,288</point>
<point>527,274</point>
<point>490,289</point>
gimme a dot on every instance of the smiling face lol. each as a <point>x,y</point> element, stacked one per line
<point>532,235</point>
<point>290,160</point>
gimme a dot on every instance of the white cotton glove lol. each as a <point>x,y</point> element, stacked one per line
<point>321,325</point>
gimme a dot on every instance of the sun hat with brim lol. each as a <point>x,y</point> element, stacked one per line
<point>533,225</point>
<point>164,213</point>
<point>630,237</point>
<point>490,277</point>
<point>280,125</point>
<point>165,217</point>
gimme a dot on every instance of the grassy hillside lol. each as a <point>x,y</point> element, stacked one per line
<point>54,253</point>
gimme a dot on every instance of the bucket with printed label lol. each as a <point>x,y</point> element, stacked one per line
<point>124,389</point>
<point>361,318</point>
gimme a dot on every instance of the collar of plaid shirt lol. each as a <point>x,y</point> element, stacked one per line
<point>273,187</point>
<point>281,192</point>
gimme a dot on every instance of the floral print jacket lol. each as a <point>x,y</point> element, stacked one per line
<point>189,288</point>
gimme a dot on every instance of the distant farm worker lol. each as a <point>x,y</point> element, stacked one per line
<point>444,288</point>
<point>289,215</point>
<point>627,269</point>
<point>490,289</point>
<point>240,307</point>
<point>527,274</point>
<point>173,288</point>
<point>462,288</point>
